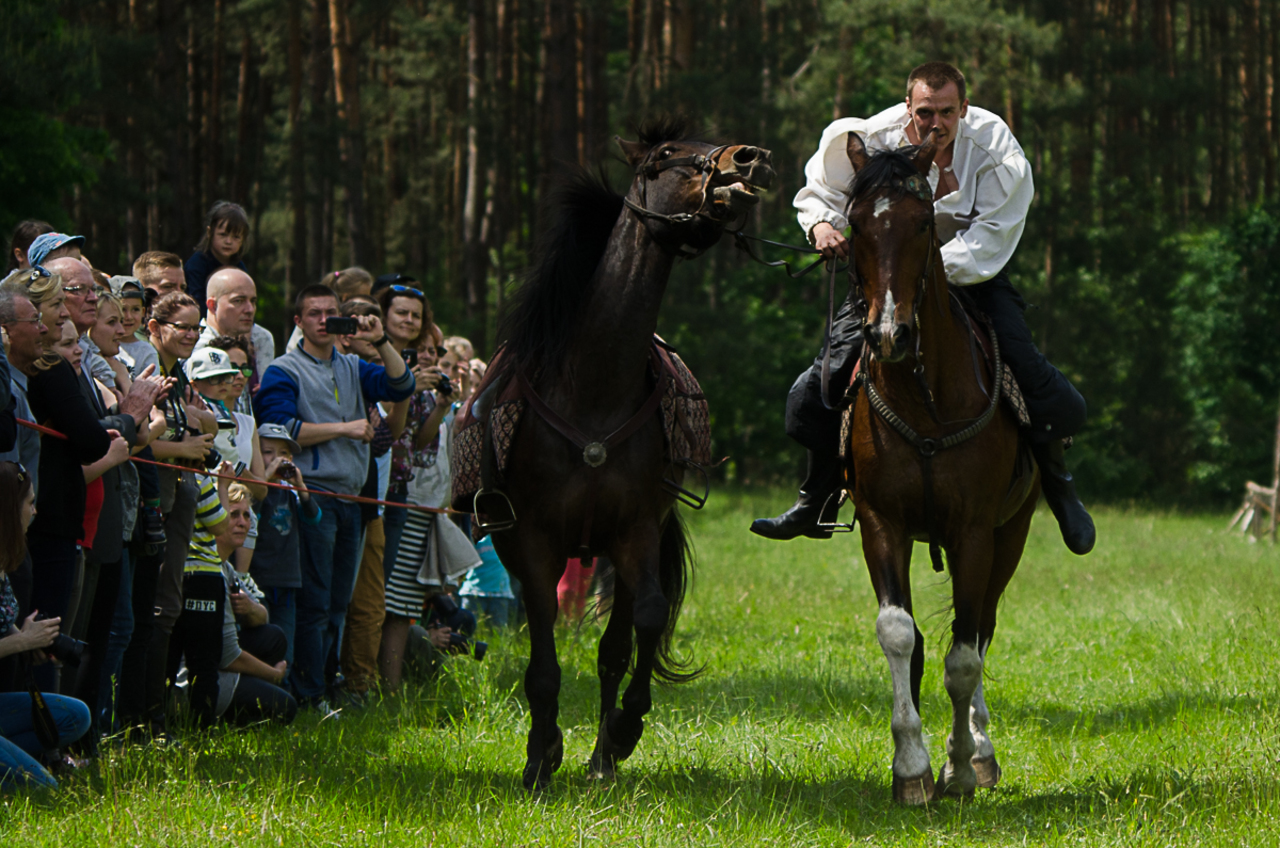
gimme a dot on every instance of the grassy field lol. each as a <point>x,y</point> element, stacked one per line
<point>1133,698</point>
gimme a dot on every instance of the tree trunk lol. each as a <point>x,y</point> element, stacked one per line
<point>346,95</point>
<point>296,270</point>
<point>473,252</point>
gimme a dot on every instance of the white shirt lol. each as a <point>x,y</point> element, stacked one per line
<point>979,224</point>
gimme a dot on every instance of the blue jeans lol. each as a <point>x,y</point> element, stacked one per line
<point>19,746</point>
<point>282,604</point>
<point>330,557</point>
<point>497,610</point>
<point>118,642</point>
<point>393,520</point>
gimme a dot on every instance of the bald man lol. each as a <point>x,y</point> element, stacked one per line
<point>232,300</point>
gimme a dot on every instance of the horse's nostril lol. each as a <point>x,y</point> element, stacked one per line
<point>746,155</point>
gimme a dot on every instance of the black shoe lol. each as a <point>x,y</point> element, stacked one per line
<point>1060,492</point>
<point>821,484</point>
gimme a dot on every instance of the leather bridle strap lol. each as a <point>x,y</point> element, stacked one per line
<point>594,453</point>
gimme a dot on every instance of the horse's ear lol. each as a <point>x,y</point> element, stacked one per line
<point>926,152</point>
<point>856,150</point>
<point>634,150</point>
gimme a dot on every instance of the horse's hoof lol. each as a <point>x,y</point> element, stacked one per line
<point>537,773</point>
<point>953,785</point>
<point>607,755</point>
<point>988,771</point>
<point>915,791</point>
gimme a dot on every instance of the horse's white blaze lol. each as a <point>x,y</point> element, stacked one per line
<point>886,316</point>
<point>882,206</point>
<point>897,634</point>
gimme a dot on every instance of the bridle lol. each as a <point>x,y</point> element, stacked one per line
<point>650,169</point>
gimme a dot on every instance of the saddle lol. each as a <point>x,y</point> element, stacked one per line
<point>487,426</point>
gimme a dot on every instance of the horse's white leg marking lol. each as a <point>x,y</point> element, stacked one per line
<point>886,316</point>
<point>897,634</point>
<point>979,717</point>
<point>963,676</point>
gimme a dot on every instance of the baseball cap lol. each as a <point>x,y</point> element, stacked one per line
<point>392,280</point>
<point>122,286</point>
<point>47,243</point>
<point>210,362</point>
<point>278,431</point>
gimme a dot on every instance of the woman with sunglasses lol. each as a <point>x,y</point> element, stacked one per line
<point>175,328</point>
<point>20,746</point>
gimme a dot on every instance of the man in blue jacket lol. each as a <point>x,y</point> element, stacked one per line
<point>320,397</point>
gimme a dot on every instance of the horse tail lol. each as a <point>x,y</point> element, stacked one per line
<point>675,571</point>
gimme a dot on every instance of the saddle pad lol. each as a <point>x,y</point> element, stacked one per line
<point>686,426</point>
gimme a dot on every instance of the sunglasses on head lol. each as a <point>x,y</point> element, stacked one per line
<point>409,290</point>
<point>37,272</point>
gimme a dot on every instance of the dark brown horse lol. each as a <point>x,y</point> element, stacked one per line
<point>943,471</point>
<point>581,336</point>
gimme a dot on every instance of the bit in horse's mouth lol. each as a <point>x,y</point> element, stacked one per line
<point>739,193</point>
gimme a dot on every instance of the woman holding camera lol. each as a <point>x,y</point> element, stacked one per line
<point>20,745</point>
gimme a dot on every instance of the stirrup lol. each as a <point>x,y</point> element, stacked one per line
<point>506,513</point>
<point>835,526</point>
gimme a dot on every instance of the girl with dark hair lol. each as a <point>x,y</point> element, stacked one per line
<point>20,746</point>
<point>225,239</point>
<point>23,234</point>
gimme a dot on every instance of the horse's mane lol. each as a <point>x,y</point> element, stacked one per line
<point>888,168</point>
<point>582,212</point>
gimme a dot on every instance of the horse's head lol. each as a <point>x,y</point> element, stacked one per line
<point>686,192</point>
<point>891,215</point>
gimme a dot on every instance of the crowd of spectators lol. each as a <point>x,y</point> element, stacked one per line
<point>194,529</point>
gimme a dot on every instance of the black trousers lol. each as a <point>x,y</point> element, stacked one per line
<point>254,699</point>
<point>198,634</point>
<point>1057,409</point>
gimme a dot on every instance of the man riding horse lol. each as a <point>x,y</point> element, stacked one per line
<point>982,188</point>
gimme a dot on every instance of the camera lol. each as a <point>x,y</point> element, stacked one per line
<point>286,470</point>
<point>445,386</point>
<point>64,649</point>
<point>410,355</point>
<point>336,326</point>
<point>458,619</point>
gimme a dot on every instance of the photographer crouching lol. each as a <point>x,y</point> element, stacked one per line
<point>30,723</point>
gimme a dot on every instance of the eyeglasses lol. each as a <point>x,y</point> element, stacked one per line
<point>181,328</point>
<point>440,351</point>
<point>76,289</point>
<point>35,320</point>
<point>218,380</point>
<point>245,370</point>
<point>409,290</point>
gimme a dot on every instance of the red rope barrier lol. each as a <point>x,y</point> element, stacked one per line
<point>353,498</point>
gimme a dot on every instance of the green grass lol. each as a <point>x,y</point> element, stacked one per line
<point>1133,696</point>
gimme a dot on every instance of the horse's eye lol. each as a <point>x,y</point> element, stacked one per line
<point>666,153</point>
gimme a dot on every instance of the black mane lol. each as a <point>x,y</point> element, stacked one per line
<point>662,128</point>
<point>582,213</point>
<point>888,168</point>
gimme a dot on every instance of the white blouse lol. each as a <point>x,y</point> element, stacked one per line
<point>979,224</point>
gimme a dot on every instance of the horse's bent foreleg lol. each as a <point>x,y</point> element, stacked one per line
<point>620,729</point>
<point>613,657</point>
<point>1010,541</point>
<point>545,748</point>
<point>971,573</point>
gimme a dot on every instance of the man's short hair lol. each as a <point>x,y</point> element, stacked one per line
<point>936,75</point>
<point>312,291</point>
<point>148,266</point>
<point>9,298</point>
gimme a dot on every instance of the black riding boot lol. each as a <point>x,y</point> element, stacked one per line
<point>1060,493</point>
<point>821,484</point>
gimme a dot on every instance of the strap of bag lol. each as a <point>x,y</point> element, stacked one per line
<point>42,721</point>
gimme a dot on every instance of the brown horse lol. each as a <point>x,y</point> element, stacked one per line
<point>586,470</point>
<point>933,458</point>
